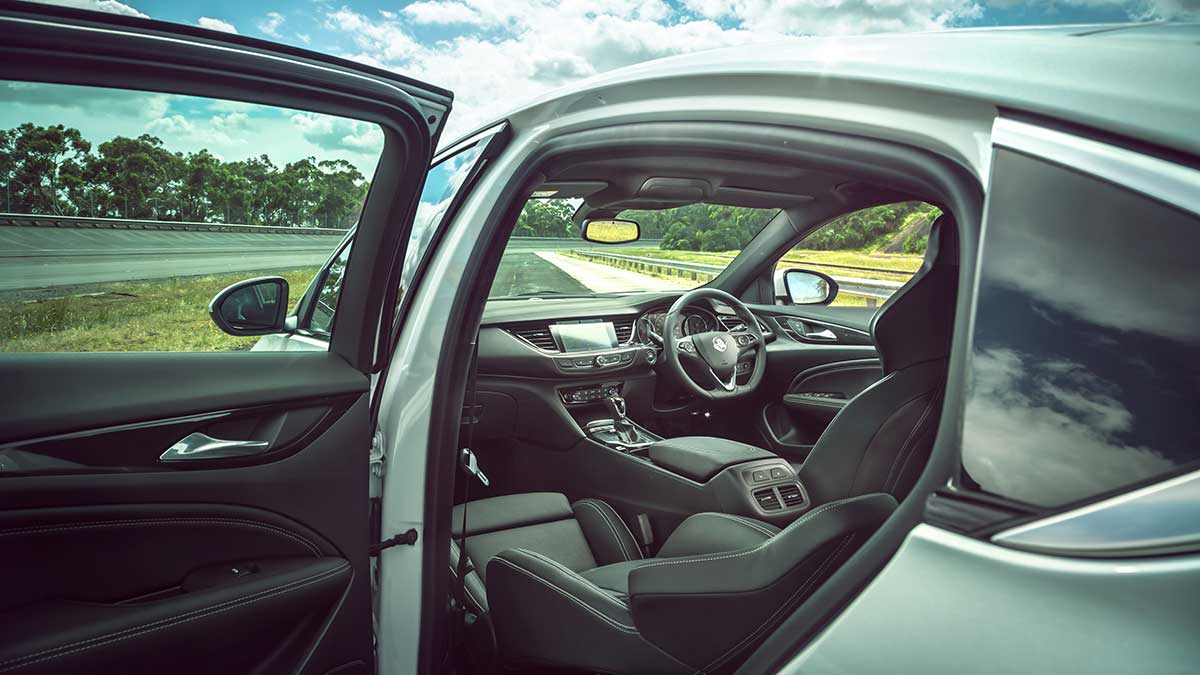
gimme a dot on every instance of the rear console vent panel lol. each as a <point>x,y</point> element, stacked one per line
<point>792,495</point>
<point>767,499</point>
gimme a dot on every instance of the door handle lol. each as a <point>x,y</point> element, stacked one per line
<point>196,446</point>
<point>823,334</point>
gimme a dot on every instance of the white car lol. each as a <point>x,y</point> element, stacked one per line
<point>861,355</point>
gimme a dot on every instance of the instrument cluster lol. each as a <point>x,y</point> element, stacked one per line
<point>651,324</point>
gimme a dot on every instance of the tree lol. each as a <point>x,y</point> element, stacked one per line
<point>53,170</point>
<point>40,166</point>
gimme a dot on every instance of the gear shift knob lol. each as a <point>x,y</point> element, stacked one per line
<point>616,407</point>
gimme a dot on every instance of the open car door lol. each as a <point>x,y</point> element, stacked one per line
<point>203,511</point>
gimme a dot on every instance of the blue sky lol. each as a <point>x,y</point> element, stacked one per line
<point>494,54</point>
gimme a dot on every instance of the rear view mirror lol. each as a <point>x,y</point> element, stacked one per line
<point>611,231</point>
<point>805,287</point>
<point>251,307</point>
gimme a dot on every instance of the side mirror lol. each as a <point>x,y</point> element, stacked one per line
<point>805,287</point>
<point>611,231</point>
<point>251,307</point>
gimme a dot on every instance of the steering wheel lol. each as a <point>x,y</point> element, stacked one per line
<point>714,354</point>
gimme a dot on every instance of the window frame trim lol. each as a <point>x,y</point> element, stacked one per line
<point>1167,182</point>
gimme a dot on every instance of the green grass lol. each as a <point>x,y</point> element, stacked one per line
<point>169,315</point>
<point>904,264</point>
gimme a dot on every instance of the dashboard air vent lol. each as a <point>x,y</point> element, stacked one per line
<point>732,323</point>
<point>791,494</point>
<point>767,500</point>
<point>624,328</point>
<point>537,335</point>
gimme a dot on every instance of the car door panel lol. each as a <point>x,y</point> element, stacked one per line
<point>119,561</point>
<point>790,419</point>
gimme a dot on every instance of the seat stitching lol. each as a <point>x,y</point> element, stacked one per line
<point>802,519</point>
<point>910,456</point>
<point>769,620</point>
<point>611,527</point>
<point>165,521</point>
<point>904,449</point>
<point>570,596</point>
<point>569,572</point>
<point>82,645</point>
<point>757,527</point>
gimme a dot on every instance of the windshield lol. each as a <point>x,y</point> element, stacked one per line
<point>679,249</point>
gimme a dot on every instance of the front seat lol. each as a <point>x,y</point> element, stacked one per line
<point>721,583</point>
<point>565,585</point>
<point>881,440</point>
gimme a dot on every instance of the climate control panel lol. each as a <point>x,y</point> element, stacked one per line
<point>590,393</point>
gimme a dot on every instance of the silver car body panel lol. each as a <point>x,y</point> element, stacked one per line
<point>939,92</point>
<point>1161,517</point>
<point>951,604</point>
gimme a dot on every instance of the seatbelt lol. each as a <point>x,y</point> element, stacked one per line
<point>470,466</point>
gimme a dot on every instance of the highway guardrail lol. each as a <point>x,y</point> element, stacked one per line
<point>872,289</point>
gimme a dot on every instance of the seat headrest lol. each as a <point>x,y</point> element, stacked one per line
<point>916,323</point>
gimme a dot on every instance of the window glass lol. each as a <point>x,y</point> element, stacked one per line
<point>679,249</point>
<point>1085,369</point>
<point>441,185</point>
<point>325,302</point>
<point>870,253</point>
<point>125,212</point>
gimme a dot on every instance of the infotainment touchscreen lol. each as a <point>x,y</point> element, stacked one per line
<point>579,337</point>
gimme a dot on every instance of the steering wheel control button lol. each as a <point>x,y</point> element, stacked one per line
<point>778,472</point>
<point>759,476</point>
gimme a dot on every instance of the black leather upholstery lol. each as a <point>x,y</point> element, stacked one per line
<point>881,439</point>
<point>702,457</point>
<point>732,580</point>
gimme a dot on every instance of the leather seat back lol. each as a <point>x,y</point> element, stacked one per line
<point>881,440</point>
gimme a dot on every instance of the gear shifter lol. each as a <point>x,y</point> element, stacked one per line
<point>624,428</point>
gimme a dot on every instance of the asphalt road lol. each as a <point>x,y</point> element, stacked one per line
<point>37,261</point>
<point>524,272</point>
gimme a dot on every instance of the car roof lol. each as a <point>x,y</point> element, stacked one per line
<point>1141,81</point>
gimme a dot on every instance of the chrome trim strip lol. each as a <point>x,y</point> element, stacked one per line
<point>1157,518</point>
<point>1174,184</point>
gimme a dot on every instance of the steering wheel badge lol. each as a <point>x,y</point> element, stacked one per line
<point>719,344</point>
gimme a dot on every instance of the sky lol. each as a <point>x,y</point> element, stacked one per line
<point>495,54</point>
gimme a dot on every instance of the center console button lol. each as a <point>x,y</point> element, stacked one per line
<point>583,363</point>
<point>778,472</point>
<point>758,476</point>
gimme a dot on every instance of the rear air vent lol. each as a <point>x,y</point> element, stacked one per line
<point>537,335</point>
<point>791,494</point>
<point>767,499</point>
<point>624,329</point>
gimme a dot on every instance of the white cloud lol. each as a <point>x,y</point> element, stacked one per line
<point>442,13</point>
<point>1029,424</point>
<point>175,125</point>
<point>837,17</point>
<point>110,6</point>
<point>338,133</point>
<point>529,48</point>
<point>270,25</point>
<point>304,37</point>
<point>216,24</point>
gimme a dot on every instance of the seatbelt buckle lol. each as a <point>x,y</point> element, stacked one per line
<point>470,464</point>
<point>645,534</point>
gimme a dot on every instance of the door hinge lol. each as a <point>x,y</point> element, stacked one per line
<point>407,538</point>
<point>375,459</point>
